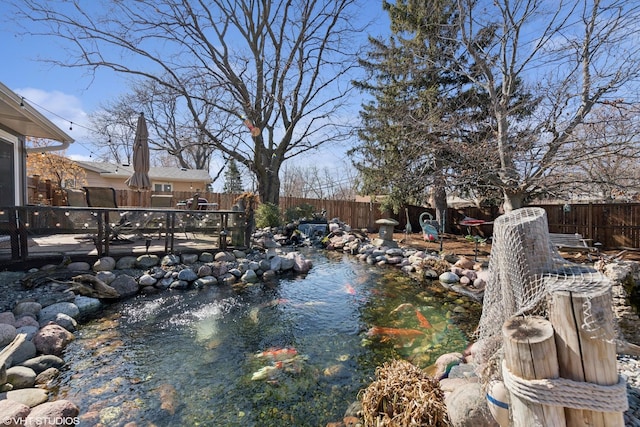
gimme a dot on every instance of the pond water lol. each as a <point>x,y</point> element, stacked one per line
<point>293,353</point>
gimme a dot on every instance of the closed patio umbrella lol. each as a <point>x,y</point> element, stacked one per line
<point>140,178</point>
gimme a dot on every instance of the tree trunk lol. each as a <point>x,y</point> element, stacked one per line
<point>512,199</point>
<point>269,186</point>
<point>439,202</point>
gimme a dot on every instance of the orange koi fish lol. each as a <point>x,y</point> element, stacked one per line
<point>278,354</point>
<point>424,323</point>
<point>395,332</point>
<point>349,289</point>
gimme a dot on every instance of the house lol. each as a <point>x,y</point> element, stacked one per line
<point>18,120</point>
<point>104,174</point>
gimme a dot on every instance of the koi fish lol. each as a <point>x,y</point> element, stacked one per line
<point>424,323</point>
<point>264,373</point>
<point>395,332</point>
<point>402,307</point>
<point>278,354</point>
<point>349,289</point>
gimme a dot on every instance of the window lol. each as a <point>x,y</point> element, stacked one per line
<point>162,187</point>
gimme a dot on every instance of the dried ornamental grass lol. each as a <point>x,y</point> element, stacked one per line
<point>403,395</point>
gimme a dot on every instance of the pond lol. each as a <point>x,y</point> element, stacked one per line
<point>295,352</point>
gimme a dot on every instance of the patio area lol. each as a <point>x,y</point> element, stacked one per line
<point>32,233</point>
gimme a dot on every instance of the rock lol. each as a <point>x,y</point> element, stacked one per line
<point>21,377</point>
<point>301,265</point>
<point>188,275</point>
<point>104,264</point>
<point>27,307</point>
<point>447,385</point>
<point>249,276</point>
<point>464,263</point>
<point>27,396</point>
<point>125,285</point>
<point>46,377</point>
<point>206,257</point>
<point>169,260</point>
<point>25,351</point>
<point>50,312</point>
<point>26,320</point>
<point>467,407</point>
<point>8,318</point>
<point>224,256</point>
<point>66,321</point>
<point>287,264</point>
<point>79,266</point>
<point>238,254</point>
<point>52,339</point>
<point>63,410</point>
<point>55,297</point>
<point>204,270</point>
<point>44,362</point>
<point>147,261</point>
<point>106,276</point>
<point>445,362</point>
<point>147,280</point>
<point>179,284</point>
<point>29,331</point>
<point>269,275</point>
<point>448,277</point>
<point>126,263</point>
<point>189,258</point>
<point>7,334</point>
<point>276,263</point>
<point>12,413</point>
<point>87,305</point>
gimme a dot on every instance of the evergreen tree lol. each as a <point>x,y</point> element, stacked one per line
<point>406,151</point>
<point>232,179</point>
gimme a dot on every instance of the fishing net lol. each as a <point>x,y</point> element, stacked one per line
<point>525,268</point>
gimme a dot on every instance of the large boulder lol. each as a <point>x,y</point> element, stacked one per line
<point>7,334</point>
<point>27,396</point>
<point>467,407</point>
<point>52,339</point>
<point>104,264</point>
<point>43,362</point>
<point>49,313</point>
<point>125,285</point>
<point>21,377</point>
<point>63,410</point>
<point>12,413</point>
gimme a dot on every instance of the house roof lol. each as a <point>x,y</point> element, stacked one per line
<point>21,118</point>
<point>110,170</point>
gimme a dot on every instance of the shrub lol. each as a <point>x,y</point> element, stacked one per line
<point>267,215</point>
<point>305,210</point>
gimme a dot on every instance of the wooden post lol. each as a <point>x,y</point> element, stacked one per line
<point>530,353</point>
<point>586,354</point>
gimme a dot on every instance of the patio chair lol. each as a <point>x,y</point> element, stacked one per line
<point>159,201</point>
<point>105,197</point>
<point>79,220</point>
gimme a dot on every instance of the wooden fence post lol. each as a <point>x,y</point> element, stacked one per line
<point>530,353</point>
<point>577,317</point>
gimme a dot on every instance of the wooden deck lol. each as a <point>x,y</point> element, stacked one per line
<point>51,233</point>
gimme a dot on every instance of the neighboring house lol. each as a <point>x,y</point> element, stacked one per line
<point>102,174</point>
<point>18,120</point>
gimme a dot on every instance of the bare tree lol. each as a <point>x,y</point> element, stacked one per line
<point>171,132</point>
<point>573,55</point>
<point>319,183</point>
<point>274,73</point>
<point>601,162</point>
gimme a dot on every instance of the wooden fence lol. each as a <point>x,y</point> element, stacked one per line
<point>614,225</point>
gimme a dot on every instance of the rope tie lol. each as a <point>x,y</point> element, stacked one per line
<point>568,393</point>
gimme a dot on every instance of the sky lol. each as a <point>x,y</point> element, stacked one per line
<point>67,96</point>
